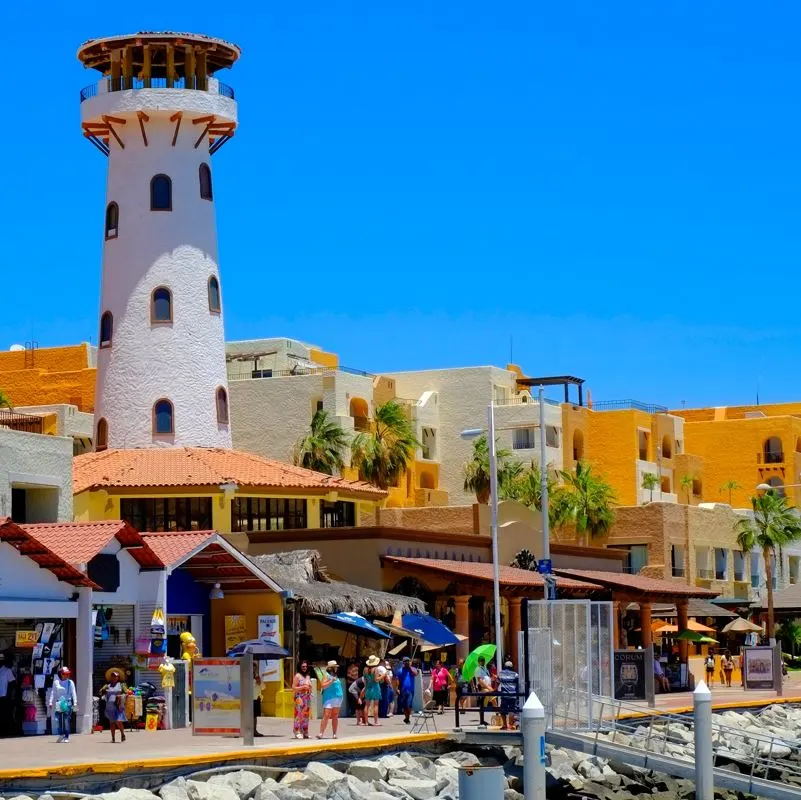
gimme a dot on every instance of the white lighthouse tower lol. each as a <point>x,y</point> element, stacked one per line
<point>159,114</point>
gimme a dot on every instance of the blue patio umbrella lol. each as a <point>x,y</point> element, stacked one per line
<point>430,629</point>
<point>263,648</point>
<point>352,623</point>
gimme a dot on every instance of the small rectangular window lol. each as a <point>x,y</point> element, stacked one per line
<point>524,439</point>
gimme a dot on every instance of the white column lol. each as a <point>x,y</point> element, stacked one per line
<point>84,659</point>
<point>704,759</point>
<point>533,725</point>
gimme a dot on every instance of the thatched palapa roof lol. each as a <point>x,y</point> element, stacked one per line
<point>302,572</point>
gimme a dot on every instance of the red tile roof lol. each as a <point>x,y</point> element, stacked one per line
<point>172,547</point>
<point>80,542</point>
<point>637,583</point>
<point>29,545</point>
<point>510,576</point>
<point>204,466</point>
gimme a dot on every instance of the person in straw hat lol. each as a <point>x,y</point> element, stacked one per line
<point>372,689</point>
<point>113,695</point>
<point>332,699</point>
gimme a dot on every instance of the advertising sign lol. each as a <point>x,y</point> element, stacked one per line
<point>26,639</point>
<point>216,697</point>
<point>629,674</point>
<point>270,631</point>
<point>758,664</point>
<point>235,631</point>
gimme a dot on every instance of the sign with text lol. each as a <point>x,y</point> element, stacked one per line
<point>26,639</point>
<point>629,674</point>
<point>235,630</point>
<point>758,664</point>
<point>216,698</point>
<point>270,631</point>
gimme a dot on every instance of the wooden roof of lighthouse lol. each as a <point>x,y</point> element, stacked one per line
<point>96,53</point>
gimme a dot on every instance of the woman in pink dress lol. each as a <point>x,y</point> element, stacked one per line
<point>301,688</point>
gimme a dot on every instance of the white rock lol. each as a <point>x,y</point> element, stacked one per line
<point>292,793</point>
<point>424,768</point>
<point>462,759</point>
<point>243,782</point>
<point>418,789</point>
<point>388,788</point>
<point>366,770</point>
<point>129,794</point>
<point>446,775</point>
<point>200,790</point>
<point>347,788</point>
<point>267,791</point>
<point>588,770</point>
<point>175,790</point>
<point>292,777</point>
<point>323,773</point>
<point>511,794</point>
<point>391,762</point>
<point>379,796</point>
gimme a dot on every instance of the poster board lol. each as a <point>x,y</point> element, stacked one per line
<point>758,668</point>
<point>235,630</point>
<point>270,630</point>
<point>216,697</point>
<point>629,673</point>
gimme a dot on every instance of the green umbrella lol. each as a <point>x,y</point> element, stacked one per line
<point>707,640</point>
<point>485,651</point>
<point>690,636</point>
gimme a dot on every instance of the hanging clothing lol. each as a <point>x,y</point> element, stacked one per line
<point>167,672</point>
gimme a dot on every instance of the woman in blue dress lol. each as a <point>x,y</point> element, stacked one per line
<point>372,688</point>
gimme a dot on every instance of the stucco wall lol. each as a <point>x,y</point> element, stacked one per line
<point>184,360</point>
<point>21,578</point>
<point>42,464</point>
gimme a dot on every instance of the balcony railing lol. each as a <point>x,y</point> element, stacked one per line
<point>27,423</point>
<point>125,84</point>
<point>259,374</point>
<point>720,575</point>
<point>522,400</point>
<point>755,582</point>
<point>626,405</point>
<point>770,457</point>
<point>678,572</point>
<point>706,574</point>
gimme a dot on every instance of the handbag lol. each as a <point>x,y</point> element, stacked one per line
<point>64,705</point>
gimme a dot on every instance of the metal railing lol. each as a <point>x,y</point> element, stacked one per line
<point>626,405</point>
<point>483,708</point>
<point>522,400</point>
<point>770,457</point>
<point>706,574</point>
<point>122,84</point>
<point>27,423</point>
<point>260,374</point>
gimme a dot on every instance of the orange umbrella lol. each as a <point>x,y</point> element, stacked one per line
<point>692,625</point>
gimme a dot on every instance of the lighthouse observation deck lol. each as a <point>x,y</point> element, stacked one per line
<point>157,73</point>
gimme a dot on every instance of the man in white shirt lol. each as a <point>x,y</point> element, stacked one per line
<point>7,677</point>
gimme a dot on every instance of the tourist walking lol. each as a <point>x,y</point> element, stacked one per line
<point>461,685</point>
<point>351,678</point>
<point>356,692</point>
<point>728,668</point>
<point>406,675</point>
<point>509,683</point>
<point>7,681</point>
<point>301,691</point>
<point>387,690</point>
<point>372,690</point>
<point>63,702</point>
<point>710,669</point>
<point>113,695</point>
<point>440,677</point>
<point>332,699</point>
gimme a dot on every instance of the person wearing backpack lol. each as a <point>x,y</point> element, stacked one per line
<point>63,702</point>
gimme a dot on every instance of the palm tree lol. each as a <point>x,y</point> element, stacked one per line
<point>789,632</point>
<point>589,499</point>
<point>649,482</point>
<point>5,400</point>
<point>321,449</point>
<point>686,483</point>
<point>477,472</point>
<point>730,486</point>
<point>383,455</point>
<point>528,491</point>
<point>775,524</point>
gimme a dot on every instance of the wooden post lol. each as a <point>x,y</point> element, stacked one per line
<point>127,67</point>
<point>681,610</point>
<point>514,627</point>
<point>170,66</point>
<point>116,70</point>
<point>189,68</point>
<point>202,73</point>
<point>463,624</point>
<point>146,65</point>
<point>645,621</point>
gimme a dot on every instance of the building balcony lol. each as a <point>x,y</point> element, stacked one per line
<point>629,405</point>
<point>430,497</point>
<point>361,424</point>
<point>770,457</point>
<point>27,423</point>
<point>742,589</point>
<point>108,85</point>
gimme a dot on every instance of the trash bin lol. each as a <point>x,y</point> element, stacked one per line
<point>481,783</point>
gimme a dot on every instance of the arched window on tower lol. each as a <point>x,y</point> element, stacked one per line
<point>112,220</point>
<point>214,295</point>
<point>160,193</point>
<point>205,182</point>
<point>163,422</point>
<point>161,305</point>
<point>101,436</point>
<point>106,329</point>
<point>222,406</point>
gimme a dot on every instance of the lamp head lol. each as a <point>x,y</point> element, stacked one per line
<point>472,433</point>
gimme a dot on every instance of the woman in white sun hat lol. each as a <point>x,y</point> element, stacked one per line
<point>332,699</point>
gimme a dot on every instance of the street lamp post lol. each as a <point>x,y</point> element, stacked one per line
<point>545,563</point>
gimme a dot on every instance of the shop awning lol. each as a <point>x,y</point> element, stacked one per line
<point>429,629</point>
<point>351,623</point>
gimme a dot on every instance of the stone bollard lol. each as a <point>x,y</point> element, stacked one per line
<point>702,729</point>
<point>533,726</point>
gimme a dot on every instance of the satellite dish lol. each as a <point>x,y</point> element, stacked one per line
<point>15,348</point>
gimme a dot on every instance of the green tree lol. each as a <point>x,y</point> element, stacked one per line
<point>649,482</point>
<point>525,559</point>
<point>477,472</point>
<point>528,491</point>
<point>5,400</point>
<point>383,454</point>
<point>774,525</point>
<point>730,486</point>
<point>686,483</point>
<point>790,634</point>
<point>589,500</point>
<point>322,448</point>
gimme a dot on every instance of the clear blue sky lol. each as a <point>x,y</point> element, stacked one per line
<point>614,185</point>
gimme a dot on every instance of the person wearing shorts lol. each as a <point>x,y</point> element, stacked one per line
<point>440,678</point>
<point>332,699</point>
